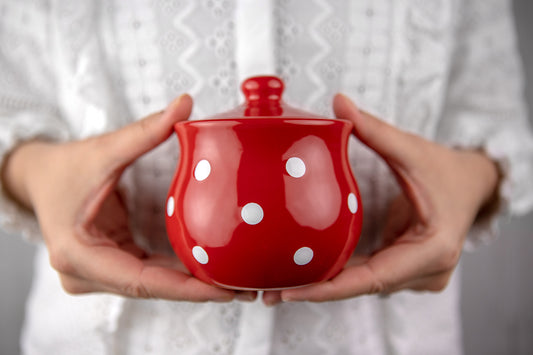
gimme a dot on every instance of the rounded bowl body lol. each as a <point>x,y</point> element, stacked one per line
<point>264,203</point>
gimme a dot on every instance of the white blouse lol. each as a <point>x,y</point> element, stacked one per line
<point>444,69</point>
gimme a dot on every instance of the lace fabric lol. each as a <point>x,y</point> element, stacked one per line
<point>27,106</point>
<point>443,69</point>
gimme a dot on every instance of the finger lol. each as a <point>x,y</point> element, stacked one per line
<point>351,282</point>
<point>132,141</point>
<point>398,219</point>
<point>383,272</point>
<point>406,154</point>
<point>122,273</point>
<point>246,296</point>
<point>76,286</point>
<point>272,298</point>
<point>132,248</point>
<point>122,147</point>
<point>434,283</point>
<point>392,144</point>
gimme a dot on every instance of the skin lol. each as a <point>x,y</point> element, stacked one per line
<point>91,246</point>
<point>443,190</point>
<point>87,234</point>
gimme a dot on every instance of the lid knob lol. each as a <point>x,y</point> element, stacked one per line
<point>263,96</point>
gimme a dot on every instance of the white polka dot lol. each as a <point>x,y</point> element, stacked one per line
<point>202,170</point>
<point>295,167</point>
<point>200,255</point>
<point>252,213</point>
<point>352,203</point>
<point>170,206</point>
<point>303,256</point>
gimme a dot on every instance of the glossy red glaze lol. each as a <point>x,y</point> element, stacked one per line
<point>264,202</point>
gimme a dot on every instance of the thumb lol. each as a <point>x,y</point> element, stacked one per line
<point>396,147</point>
<point>130,142</point>
<point>406,154</point>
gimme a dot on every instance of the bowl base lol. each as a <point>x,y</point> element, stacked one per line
<point>238,288</point>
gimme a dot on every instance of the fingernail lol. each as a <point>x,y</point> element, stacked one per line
<point>269,303</point>
<point>245,296</point>
<point>286,298</point>
<point>178,100</point>
<point>224,298</point>
<point>350,102</point>
<point>174,103</point>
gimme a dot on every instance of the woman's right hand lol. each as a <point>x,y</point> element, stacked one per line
<point>72,188</point>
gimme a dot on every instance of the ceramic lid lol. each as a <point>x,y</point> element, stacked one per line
<point>263,99</point>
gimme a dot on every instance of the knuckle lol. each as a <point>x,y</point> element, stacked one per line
<point>377,287</point>
<point>376,284</point>
<point>438,284</point>
<point>136,289</point>
<point>60,261</point>
<point>449,257</point>
<point>72,287</point>
<point>435,283</point>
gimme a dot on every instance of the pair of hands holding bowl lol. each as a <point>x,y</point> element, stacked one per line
<point>91,246</point>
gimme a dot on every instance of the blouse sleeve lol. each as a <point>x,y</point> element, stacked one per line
<point>485,106</point>
<point>28,106</point>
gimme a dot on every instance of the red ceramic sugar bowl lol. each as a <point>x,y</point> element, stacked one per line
<point>264,196</point>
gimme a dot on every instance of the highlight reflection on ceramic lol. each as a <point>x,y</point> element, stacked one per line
<point>263,202</point>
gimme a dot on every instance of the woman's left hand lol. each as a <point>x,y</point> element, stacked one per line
<point>443,190</point>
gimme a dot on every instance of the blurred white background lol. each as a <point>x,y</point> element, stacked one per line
<point>497,279</point>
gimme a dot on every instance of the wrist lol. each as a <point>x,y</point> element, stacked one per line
<point>486,177</point>
<point>18,168</point>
